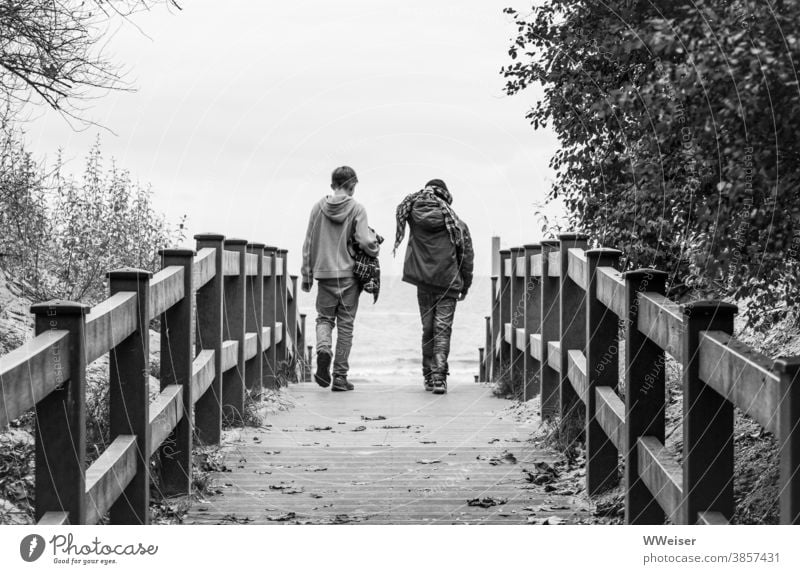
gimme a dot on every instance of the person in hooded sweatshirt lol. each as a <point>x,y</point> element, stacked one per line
<point>439,261</point>
<point>334,220</point>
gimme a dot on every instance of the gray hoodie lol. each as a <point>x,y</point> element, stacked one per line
<point>334,219</point>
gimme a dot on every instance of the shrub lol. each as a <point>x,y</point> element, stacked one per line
<point>61,234</point>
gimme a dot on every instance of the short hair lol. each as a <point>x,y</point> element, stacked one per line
<point>344,176</point>
<point>437,183</point>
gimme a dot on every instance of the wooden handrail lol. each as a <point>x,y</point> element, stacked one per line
<point>554,355</point>
<point>251,264</point>
<point>576,372</point>
<point>191,377</point>
<point>611,290</point>
<point>519,340</point>
<point>230,355</point>
<point>536,346</point>
<point>109,323</point>
<point>741,375</point>
<point>519,268</point>
<point>165,412</point>
<point>662,321</point>
<point>166,289</point>
<point>204,266</point>
<point>31,372</point>
<point>536,265</point>
<point>202,373</point>
<point>250,345</point>
<point>230,263</point>
<point>108,476</point>
<point>697,335</point>
<point>611,415</point>
<point>554,264</point>
<point>577,267</point>
<point>662,475</point>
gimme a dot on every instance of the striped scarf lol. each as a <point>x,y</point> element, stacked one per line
<point>443,197</point>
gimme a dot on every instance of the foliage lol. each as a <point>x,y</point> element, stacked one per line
<point>53,51</point>
<point>60,235</point>
<point>678,128</point>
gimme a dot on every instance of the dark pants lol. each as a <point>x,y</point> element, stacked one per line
<point>437,313</point>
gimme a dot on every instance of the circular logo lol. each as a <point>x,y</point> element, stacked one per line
<point>31,547</point>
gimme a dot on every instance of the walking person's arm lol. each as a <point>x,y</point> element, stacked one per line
<point>466,260</point>
<point>365,237</point>
<point>307,269</point>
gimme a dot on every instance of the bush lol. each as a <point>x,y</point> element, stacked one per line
<point>61,234</point>
<point>669,144</point>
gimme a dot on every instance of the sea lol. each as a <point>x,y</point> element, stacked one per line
<point>388,334</point>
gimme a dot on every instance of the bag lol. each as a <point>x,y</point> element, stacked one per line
<point>366,269</point>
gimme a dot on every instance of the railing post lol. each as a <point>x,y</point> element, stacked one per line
<point>271,317</point>
<point>129,396</point>
<point>481,365</point>
<point>572,328</point>
<point>707,420</point>
<point>309,356</point>
<point>495,330</point>
<point>602,370</point>
<point>644,371</point>
<point>177,359</point>
<point>254,322</point>
<point>292,332</point>
<point>209,299</point>
<point>517,319</point>
<point>301,347</point>
<point>282,311</point>
<point>533,318</point>
<point>504,362</point>
<point>487,345</point>
<point>789,439</point>
<point>61,418</point>
<point>233,389</point>
<point>549,379</point>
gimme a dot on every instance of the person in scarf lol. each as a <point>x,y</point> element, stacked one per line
<point>439,262</point>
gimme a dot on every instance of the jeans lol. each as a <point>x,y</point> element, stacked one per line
<point>437,313</point>
<point>337,303</point>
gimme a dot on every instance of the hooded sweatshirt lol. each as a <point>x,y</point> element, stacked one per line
<point>334,219</point>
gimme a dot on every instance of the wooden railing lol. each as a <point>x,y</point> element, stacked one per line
<point>229,327</point>
<point>557,312</point>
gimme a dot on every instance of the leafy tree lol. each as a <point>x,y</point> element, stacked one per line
<point>678,128</point>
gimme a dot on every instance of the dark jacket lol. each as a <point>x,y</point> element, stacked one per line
<point>432,261</point>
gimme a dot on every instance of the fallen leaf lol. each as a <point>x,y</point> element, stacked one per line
<point>429,461</point>
<point>360,428</point>
<point>505,458</point>
<point>282,517</point>
<point>486,502</point>
<point>375,418</point>
<point>286,488</point>
<point>318,428</point>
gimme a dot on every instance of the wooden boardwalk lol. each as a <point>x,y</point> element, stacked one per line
<point>387,453</point>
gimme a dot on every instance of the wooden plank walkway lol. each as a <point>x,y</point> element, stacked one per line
<point>333,459</point>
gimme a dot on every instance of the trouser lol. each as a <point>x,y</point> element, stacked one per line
<point>337,303</point>
<point>437,313</point>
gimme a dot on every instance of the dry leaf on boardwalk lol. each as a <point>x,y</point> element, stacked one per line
<point>486,501</point>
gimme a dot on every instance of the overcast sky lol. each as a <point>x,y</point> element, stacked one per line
<point>243,108</point>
